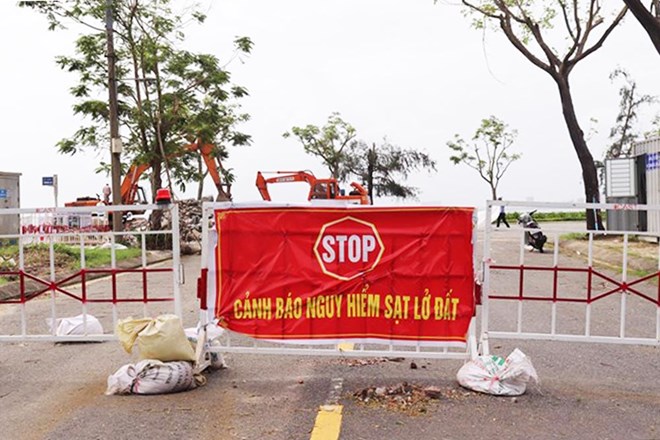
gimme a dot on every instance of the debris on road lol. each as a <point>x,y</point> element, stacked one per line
<point>406,397</point>
<point>369,361</point>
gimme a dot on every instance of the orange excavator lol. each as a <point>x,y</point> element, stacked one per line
<point>132,193</point>
<point>319,189</point>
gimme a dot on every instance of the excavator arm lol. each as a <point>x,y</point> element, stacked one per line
<point>130,191</point>
<point>319,189</point>
<point>286,176</point>
<point>206,151</point>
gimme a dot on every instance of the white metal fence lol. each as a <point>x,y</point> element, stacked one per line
<point>65,265</point>
<point>588,286</point>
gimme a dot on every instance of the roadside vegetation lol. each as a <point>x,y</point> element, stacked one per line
<point>67,259</point>
<point>569,216</point>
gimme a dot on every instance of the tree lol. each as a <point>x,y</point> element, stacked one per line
<point>167,96</point>
<point>528,26</point>
<point>379,169</point>
<point>489,152</point>
<point>649,18</point>
<point>383,169</point>
<point>330,143</point>
<point>623,133</point>
<point>655,130</point>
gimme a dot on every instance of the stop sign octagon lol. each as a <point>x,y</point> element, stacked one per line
<point>348,247</point>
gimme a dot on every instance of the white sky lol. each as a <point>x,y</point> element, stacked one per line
<point>408,70</point>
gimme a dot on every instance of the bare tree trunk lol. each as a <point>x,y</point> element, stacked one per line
<point>156,218</point>
<point>200,185</point>
<point>589,173</point>
<point>371,163</point>
<point>649,22</point>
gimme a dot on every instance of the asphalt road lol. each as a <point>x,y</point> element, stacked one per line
<point>586,391</point>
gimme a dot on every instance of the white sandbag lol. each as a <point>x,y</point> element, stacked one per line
<point>213,335</point>
<point>152,376</point>
<point>213,332</point>
<point>498,376</point>
<point>161,338</point>
<point>76,325</point>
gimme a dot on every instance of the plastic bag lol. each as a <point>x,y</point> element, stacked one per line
<point>498,376</point>
<point>161,338</point>
<point>76,325</point>
<point>152,376</point>
<point>213,335</point>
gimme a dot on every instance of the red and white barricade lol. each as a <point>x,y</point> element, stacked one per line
<point>62,268</point>
<point>340,280</point>
<point>588,286</point>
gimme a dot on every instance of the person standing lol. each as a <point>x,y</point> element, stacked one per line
<point>106,194</point>
<point>502,216</point>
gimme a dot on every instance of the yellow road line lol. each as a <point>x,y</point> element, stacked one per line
<point>328,423</point>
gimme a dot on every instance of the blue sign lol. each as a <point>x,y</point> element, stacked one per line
<point>3,193</point>
<point>47,181</point>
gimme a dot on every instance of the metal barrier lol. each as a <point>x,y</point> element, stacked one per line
<point>46,275</point>
<point>233,342</point>
<point>588,286</point>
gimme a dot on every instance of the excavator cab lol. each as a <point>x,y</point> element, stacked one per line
<point>322,190</point>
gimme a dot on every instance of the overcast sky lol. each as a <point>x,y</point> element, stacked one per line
<point>408,70</point>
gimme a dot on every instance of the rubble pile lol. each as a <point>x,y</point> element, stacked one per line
<point>405,397</point>
<point>360,362</point>
<point>190,225</point>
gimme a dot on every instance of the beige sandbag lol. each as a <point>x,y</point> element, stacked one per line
<point>161,338</point>
<point>151,376</point>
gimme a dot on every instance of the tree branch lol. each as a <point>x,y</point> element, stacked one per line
<point>603,37</point>
<point>645,17</point>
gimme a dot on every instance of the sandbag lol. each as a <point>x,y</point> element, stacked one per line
<point>213,335</point>
<point>76,325</point>
<point>152,376</point>
<point>498,376</point>
<point>161,338</point>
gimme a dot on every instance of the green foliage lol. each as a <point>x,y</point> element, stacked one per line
<point>382,169</point>
<point>167,96</point>
<point>488,153</point>
<point>330,143</point>
<point>623,133</point>
<point>655,131</point>
<point>385,168</point>
<point>560,216</point>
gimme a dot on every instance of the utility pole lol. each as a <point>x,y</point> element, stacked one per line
<point>115,140</point>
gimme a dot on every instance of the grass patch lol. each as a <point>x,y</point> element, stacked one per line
<point>607,253</point>
<point>568,216</point>
<point>574,236</point>
<point>102,257</point>
<point>36,258</point>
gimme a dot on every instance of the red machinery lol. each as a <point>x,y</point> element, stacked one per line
<point>319,189</point>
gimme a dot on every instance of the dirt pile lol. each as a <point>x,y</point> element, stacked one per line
<point>408,398</point>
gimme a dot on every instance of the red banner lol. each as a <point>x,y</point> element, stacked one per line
<point>329,274</point>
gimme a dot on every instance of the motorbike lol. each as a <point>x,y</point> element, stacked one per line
<point>535,239</point>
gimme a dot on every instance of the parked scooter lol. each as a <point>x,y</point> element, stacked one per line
<point>535,239</point>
